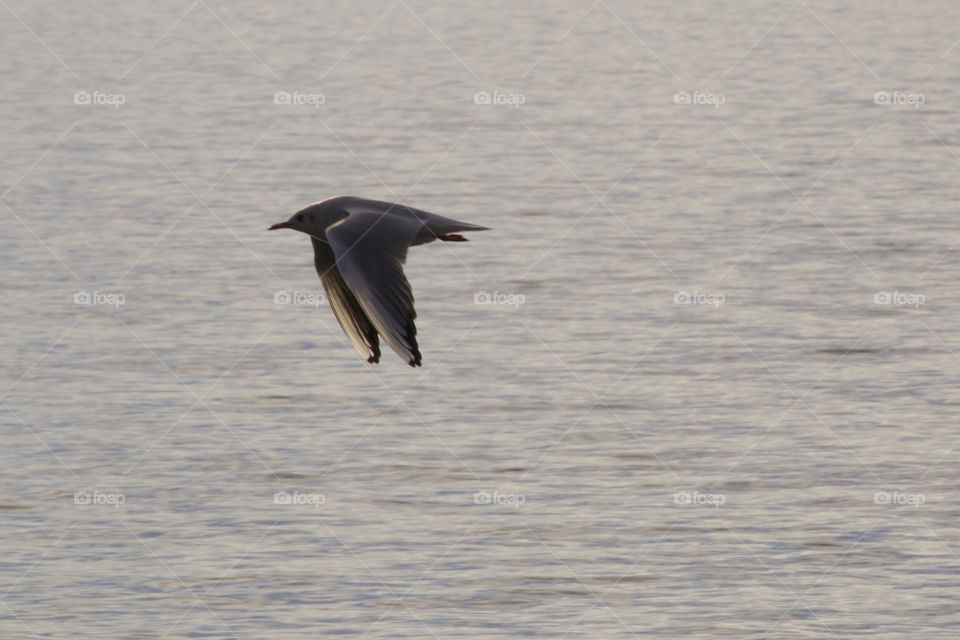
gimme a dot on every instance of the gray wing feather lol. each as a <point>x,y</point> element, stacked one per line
<point>349,313</point>
<point>371,249</point>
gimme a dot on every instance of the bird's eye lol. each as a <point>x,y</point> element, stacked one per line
<point>300,217</point>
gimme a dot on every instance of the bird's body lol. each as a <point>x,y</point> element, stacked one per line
<point>359,248</point>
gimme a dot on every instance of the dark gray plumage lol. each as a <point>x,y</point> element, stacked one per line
<point>360,247</point>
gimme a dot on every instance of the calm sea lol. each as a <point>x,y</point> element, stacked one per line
<point>698,381</point>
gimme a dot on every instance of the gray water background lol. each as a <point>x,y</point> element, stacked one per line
<point>781,465</point>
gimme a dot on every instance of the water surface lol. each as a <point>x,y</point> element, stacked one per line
<point>725,407</point>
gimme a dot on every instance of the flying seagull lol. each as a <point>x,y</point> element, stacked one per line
<point>359,248</point>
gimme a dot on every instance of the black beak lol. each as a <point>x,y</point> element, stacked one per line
<point>280,225</point>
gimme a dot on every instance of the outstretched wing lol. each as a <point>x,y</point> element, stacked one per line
<point>370,249</point>
<point>349,313</point>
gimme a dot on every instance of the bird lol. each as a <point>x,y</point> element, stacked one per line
<point>359,249</point>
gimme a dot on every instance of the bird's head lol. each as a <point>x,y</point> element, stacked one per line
<point>313,220</point>
<point>303,220</point>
